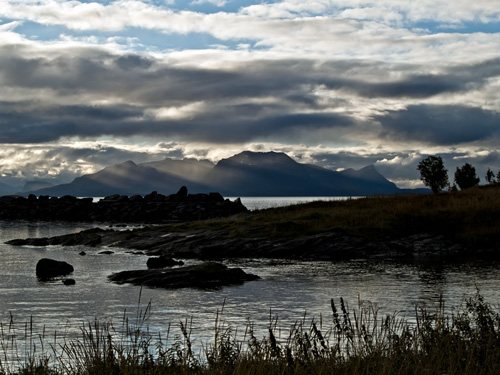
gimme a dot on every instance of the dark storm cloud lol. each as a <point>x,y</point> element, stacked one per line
<point>26,127</point>
<point>227,129</point>
<point>129,62</point>
<point>441,124</point>
<point>229,125</point>
<point>417,86</point>
<point>491,158</point>
<point>152,82</point>
<point>478,72</point>
<point>281,127</point>
<point>59,91</point>
<point>24,123</point>
<point>245,80</point>
<point>133,77</point>
<point>355,77</point>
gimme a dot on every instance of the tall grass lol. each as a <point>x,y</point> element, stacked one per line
<point>472,215</point>
<point>350,341</point>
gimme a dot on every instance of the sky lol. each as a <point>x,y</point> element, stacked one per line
<point>338,83</point>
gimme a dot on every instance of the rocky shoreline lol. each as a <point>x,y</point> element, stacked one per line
<point>414,233</point>
<point>152,208</point>
<point>218,245</point>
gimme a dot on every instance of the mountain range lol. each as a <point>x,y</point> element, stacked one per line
<point>245,174</point>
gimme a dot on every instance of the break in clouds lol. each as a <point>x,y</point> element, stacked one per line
<point>341,84</point>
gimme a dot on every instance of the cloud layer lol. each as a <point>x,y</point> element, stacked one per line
<point>338,83</point>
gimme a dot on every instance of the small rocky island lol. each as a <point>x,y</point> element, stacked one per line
<point>152,208</point>
<point>208,275</point>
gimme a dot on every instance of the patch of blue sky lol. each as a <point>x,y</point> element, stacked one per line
<point>142,39</point>
<point>156,40</point>
<point>103,2</point>
<point>488,28</point>
<point>35,31</point>
<point>202,6</point>
<point>463,28</point>
<point>206,6</point>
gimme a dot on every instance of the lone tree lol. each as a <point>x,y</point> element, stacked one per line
<point>466,177</point>
<point>490,177</point>
<point>433,173</point>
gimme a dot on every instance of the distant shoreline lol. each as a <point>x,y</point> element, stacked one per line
<point>261,203</point>
<point>152,208</point>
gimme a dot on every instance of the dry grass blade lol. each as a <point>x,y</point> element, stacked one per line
<point>355,341</point>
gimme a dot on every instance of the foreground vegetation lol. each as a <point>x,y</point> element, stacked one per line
<point>353,341</point>
<point>472,215</point>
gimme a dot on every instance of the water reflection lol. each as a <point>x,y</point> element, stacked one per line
<point>287,291</point>
<point>262,203</point>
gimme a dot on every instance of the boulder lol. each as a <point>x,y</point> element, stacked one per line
<point>50,268</point>
<point>29,241</point>
<point>106,252</point>
<point>162,262</point>
<point>69,282</point>
<point>182,193</point>
<point>208,275</point>
<point>151,196</point>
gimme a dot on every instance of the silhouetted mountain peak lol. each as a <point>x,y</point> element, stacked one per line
<point>125,165</point>
<point>370,172</point>
<point>36,185</point>
<point>116,170</point>
<point>261,158</point>
<point>371,175</point>
<point>245,174</point>
<point>7,189</point>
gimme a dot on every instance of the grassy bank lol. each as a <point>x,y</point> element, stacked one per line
<point>351,341</point>
<point>472,215</point>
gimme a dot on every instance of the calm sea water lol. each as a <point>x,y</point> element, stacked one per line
<point>261,203</point>
<point>287,290</point>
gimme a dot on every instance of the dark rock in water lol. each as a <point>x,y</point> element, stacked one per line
<point>18,242</point>
<point>162,262</point>
<point>49,268</point>
<point>69,282</point>
<point>89,237</point>
<point>106,252</point>
<point>30,242</point>
<point>207,275</point>
<point>82,253</point>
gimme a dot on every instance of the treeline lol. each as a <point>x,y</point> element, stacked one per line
<point>434,175</point>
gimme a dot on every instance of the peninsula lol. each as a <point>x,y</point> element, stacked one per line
<point>447,226</point>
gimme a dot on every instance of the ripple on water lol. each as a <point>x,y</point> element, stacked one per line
<point>287,291</point>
